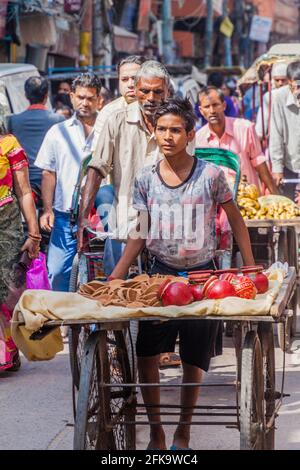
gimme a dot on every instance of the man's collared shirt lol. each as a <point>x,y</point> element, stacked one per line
<point>284,143</point>
<point>124,146</point>
<point>240,138</point>
<point>63,149</point>
<point>116,105</point>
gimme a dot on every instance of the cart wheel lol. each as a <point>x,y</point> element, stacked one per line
<point>266,335</point>
<point>122,399</point>
<point>284,334</point>
<point>105,416</point>
<point>252,420</point>
<point>77,336</point>
<point>73,332</point>
<point>286,330</point>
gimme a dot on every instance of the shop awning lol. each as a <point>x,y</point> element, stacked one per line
<point>125,41</point>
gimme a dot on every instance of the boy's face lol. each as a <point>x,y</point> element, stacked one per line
<point>171,134</point>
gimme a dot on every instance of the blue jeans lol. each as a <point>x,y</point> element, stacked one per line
<point>113,248</point>
<point>61,252</point>
<point>104,200</point>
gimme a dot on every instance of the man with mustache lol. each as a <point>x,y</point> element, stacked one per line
<point>126,144</point>
<point>234,134</point>
<point>284,131</point>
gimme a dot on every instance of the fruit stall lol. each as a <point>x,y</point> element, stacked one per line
<point>107,411</point>
<point>273,222</point>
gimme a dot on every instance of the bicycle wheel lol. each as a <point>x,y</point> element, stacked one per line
<point>252,418</point>
<point>266,335</point>
<point>122,399</point>
<point>73,332</point>
<point>105,415</point>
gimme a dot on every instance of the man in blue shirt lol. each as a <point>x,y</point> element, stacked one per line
<point>31,126</point>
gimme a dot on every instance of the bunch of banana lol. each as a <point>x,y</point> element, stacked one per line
<point>249,207</point>
<point>247,199</point>
<point>279,211</point>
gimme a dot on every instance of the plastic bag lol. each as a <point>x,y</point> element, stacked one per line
<point>37,275</point>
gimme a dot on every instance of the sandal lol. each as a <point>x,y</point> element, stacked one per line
<point>170,359</point>
<point>16,364</point>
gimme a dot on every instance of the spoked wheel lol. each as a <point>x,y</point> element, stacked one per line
<point>286,329</point>
<point>105,415</point>
<point>122,399</point>
<point>252,417</point>
<point>77,338</point>
<point>266,335</point>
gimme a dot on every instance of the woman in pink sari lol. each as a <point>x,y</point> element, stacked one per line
<point>15,197</point>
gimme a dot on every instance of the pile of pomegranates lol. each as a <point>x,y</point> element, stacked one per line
<point>219,284</point>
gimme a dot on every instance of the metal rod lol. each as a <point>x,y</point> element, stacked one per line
<point>164,385</point>
<point>197,407</point>
<point>172,423</point>
<point>170,413</point>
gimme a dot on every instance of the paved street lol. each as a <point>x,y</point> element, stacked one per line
<point>36,409</point>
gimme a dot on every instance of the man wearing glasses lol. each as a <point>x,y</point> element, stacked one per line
<point>285,132</point>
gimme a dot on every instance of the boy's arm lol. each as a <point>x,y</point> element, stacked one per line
<point>134,246</point>
<point>240,231</point>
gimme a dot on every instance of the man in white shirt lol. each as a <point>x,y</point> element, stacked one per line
<point>279,79</point>
<point>65,146</point>
<point>284,144</point>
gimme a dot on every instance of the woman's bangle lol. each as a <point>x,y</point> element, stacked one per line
<point>35,237</point>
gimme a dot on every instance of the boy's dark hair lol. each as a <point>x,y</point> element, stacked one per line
<point>87,80</point>
<point>179,107</point>
<point>131,59</point>
<point>206,91</point>
<point>293,70</point>
<point>36,89</point>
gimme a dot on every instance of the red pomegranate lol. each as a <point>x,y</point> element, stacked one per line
<point>261,283</point>
<point>197,291</point>
<point>220,290</point>
<point>244,287</point>
<point>177,293</point>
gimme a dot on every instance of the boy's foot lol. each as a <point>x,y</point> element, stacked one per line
<point>173,447</point>
<point>169,359</point>
<point>180,442</point>
<point>156,445</point>
<point>157,440</point>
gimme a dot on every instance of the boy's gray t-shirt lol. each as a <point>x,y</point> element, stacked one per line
<point>183,229</point>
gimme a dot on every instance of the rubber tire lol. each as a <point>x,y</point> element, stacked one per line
<point>252,381</point>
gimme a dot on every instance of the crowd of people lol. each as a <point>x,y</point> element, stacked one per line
<point>142,160</point>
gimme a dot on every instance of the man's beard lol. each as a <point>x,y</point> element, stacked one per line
<point>149,110</point>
